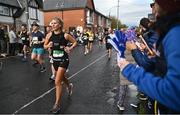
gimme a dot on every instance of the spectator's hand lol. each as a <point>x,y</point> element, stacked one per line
<point>130,45</point>
<point>142,47</point>
<point>122,63</point>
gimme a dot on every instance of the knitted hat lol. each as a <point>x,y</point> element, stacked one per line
<point>171,6</point>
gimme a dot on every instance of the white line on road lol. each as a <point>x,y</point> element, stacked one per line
<point>47,92</point>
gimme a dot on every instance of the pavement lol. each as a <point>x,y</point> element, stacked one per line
<point>25,90</point>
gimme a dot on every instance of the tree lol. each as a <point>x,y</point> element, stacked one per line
<point>114,21</point>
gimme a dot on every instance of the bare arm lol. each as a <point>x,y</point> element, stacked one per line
<point>72,40</point>
<point>47,44</point>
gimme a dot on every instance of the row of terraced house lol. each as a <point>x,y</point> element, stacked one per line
<point>76,14</point>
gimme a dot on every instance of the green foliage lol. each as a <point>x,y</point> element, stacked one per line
<point>114,21</point>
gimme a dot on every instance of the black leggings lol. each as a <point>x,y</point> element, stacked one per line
<point>12,49</point>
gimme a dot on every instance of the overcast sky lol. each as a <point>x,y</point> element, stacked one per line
<point>130,11</point>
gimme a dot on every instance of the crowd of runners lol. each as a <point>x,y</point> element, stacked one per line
<point>54,42</point>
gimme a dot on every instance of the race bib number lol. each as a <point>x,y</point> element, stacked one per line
<point>90,38</point>
<point>85,38</point>
<point>58,53</point>
<point>35,40</point>
<point>23,38</point>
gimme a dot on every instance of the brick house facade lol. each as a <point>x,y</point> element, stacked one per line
<point>75,13</point>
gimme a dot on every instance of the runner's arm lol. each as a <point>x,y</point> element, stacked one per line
<point>72,40</point>
<point>47,44</point>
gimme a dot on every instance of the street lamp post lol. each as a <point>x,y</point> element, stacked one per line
<point>60,5</point>
<point>27,15</point>
<point>117,23</point>
<point>118,16</point>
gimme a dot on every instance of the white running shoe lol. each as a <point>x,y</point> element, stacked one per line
<point>69,89</point>
<point>121,108</point>
<point>67,70</point>
<point>55,109</point>
<point>52,77</point>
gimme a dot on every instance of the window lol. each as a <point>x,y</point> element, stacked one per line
<point>1,9</point>
<point>4,10</point>
<point>90,17</point>
<point>99,20</point>
<point>33,10</point>
<point>33,14</point>
<point>33,4</point>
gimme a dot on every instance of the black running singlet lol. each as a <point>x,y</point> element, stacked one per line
<point>59,43</point>
<point>24,36</point>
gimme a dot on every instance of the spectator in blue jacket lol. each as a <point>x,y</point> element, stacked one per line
<point>163,83</point>
<point>142,56</point>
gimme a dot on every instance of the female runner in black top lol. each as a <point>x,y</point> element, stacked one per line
<point>57,40</point>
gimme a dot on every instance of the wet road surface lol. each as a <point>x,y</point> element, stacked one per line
<point>23,89</point>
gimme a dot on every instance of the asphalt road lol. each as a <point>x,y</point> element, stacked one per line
<point>24,90</point>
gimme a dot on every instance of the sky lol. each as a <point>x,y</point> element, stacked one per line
<point>130,11</point>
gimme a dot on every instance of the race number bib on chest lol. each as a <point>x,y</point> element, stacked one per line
<point>58,53</point>
<point>85,38</point>
<point>90,38</point>
<point>35,40</point>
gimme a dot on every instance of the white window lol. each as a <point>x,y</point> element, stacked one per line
<point>99,20</point>
<point>33,10</point>
<point>90,17</point>
<point>4,10</point>
<point>33,13</point>
<point>1,10</point>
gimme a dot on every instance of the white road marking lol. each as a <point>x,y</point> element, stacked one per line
<point>47,92</point>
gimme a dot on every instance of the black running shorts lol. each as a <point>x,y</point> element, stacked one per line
<point>63,64</point>
<point>108,46</point>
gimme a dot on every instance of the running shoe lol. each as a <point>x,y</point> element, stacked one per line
<point>69,89</point>
<point>121,108</point>
<point>52,77</point>
<point>55,109</point>
<point>43,69</point>
<point>109,58</point>
<point>35,64</point>
<point>142,97</point>
<point>85,53</point>
<point>24,59</point>
<point>3,55</point>
<point>134,105</point>
<point>67,70</point>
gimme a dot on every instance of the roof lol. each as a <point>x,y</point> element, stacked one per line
<point>13,3</point>
<point>101,14</point>
<point>63,4</point>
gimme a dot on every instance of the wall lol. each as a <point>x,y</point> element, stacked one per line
<point>72,18</point>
